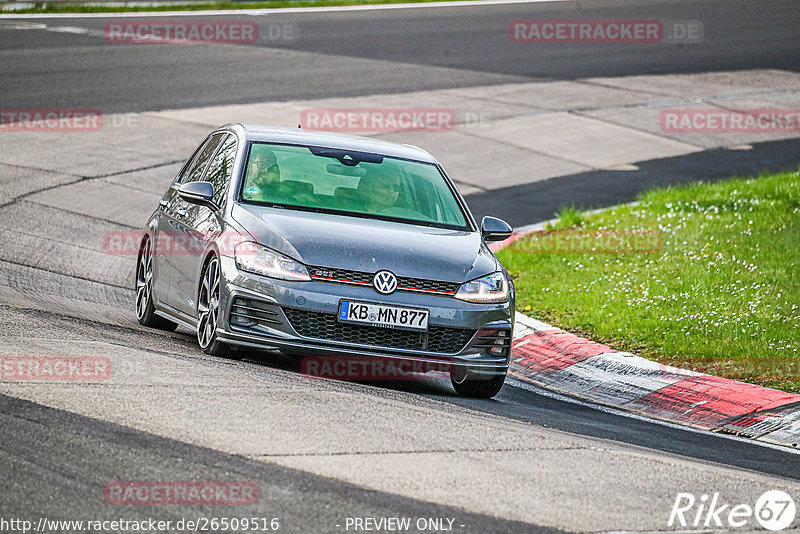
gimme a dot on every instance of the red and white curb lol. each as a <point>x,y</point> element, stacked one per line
<point>557,360</point>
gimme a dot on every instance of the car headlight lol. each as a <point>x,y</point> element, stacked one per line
<point>490,288</point>
<point>258,259</point>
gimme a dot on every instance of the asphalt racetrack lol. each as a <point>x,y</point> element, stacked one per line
<point>323,453</point>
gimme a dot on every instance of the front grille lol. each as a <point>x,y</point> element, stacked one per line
<point>252,312</point>
<point>420,284</point>
<point>346,276</point>
<point>325,326</point>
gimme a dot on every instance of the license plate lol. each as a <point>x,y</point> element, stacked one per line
<point>383,316</point>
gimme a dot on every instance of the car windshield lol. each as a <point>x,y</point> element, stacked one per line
<point>350,183</point>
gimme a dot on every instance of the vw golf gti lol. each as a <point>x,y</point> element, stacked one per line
<point>331,245</point>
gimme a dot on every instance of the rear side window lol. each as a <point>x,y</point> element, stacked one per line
<point>195,170</point>
<point>219,170</point>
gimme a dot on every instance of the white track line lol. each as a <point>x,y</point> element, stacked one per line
<point>274,11</point>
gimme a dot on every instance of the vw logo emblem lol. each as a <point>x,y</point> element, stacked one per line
<point>385,282</point>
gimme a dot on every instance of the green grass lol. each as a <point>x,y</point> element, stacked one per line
<point>722,296</point>
<point>568,218</point>
<point>83,8</point>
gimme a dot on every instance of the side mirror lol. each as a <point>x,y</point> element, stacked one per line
<point>494,229</point>
<point>200,193</point>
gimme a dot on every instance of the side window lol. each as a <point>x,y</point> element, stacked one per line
<point>219,170</point>
<point>198,165</point>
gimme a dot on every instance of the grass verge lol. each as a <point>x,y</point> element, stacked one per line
<point>233,6</point>
<point>704,276</point>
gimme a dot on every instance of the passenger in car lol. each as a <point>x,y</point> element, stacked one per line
<point>296,192</point>
<point>378,191</point>
<point>347,199</point>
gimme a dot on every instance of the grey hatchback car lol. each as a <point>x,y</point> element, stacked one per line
<point>328,245</point>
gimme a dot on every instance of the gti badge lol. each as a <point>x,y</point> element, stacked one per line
<point>385,282</point>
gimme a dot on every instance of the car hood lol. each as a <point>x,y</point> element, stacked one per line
<point>337,241</point>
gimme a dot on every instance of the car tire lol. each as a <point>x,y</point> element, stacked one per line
<point>471,386</point>
<point>145,309</point>
<point>208,313</point>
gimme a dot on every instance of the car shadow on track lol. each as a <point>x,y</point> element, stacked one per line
<point>434,383</point>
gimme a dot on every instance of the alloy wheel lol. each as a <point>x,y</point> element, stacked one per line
<point>144,280</point>
<point>208,304</point>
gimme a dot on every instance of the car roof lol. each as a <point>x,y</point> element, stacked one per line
<point>331,140</point>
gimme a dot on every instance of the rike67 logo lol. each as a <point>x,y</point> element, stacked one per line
<point>774,510</point>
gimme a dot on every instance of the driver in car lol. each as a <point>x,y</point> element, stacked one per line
<point>263,173</point>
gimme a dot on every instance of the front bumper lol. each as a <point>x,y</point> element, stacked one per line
<point>261,312</point>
